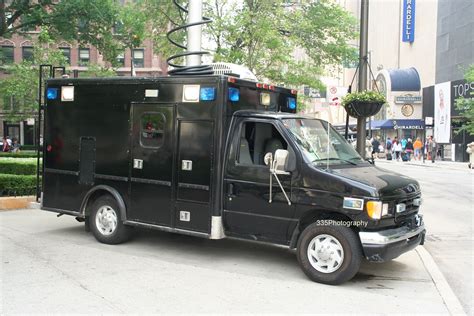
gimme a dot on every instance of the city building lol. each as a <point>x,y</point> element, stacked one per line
<point>146,62</point>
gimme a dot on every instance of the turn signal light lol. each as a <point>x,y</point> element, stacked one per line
<point>374,209</point>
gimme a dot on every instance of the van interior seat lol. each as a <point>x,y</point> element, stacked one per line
<point>244,151</point>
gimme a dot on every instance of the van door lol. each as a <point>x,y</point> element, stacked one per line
<point>152,148</point>
<point>194,169</point>
<point>247,211</point>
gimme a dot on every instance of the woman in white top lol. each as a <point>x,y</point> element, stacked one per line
<point>397,148</point>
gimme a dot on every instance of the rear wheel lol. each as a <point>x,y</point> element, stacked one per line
<point>105,221</point>
<point>329,254</point>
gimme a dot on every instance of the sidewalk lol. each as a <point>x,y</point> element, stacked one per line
<point>50,265</point>
<point>453,165</point>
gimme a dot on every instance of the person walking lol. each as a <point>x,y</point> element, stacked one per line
<point>375,147</point>
<point>388,148</point>
<point>409,149</point>
<point>417,147</point>
<point>397,148</point>
<point>5,145</point>
<point>432,148</point>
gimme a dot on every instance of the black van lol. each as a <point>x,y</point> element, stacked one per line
<point>216,157</point>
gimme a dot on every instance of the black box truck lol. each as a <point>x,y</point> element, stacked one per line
<point>217,156</point>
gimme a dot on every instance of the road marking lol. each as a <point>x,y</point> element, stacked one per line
<point>445,291</point>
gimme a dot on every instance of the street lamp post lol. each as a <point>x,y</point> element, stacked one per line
<point>363,49</point>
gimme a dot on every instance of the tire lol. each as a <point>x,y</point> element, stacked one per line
<point>105,221</point>
<point>341,240</point>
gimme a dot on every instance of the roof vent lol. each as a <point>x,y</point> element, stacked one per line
<point>233,70</point>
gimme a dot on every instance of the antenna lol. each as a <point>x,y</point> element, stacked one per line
<point>193,52</point>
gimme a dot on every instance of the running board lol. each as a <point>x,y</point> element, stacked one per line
<point>168,229</point>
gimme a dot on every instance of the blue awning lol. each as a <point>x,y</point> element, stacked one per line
<point>397,124</point>
<point>405,79</point>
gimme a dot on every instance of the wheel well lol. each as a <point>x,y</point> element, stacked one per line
<point>92,198</point>
<point>311,217</point>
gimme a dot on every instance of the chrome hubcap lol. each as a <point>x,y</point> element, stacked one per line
<point>106,220</point>
<point>325,253</point>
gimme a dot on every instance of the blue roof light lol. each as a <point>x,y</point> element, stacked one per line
<point>208,94</point>
<point>234,94</point>
<point>291,103</point>
<point>52,93</point>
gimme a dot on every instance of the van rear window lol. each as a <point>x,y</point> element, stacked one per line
<point>152,133</point>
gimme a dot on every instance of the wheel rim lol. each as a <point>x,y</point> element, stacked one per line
<point>106,220</point>
<point>325,253</point>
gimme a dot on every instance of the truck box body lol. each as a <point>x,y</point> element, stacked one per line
<point>95,140</point>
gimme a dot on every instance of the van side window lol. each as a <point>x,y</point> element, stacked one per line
<point>152,132</point>
<point>256,139</point>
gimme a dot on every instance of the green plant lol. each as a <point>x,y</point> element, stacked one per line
<point>364,96</point>
<point>21,154</point>
<point>12,185</point>
<point>18,166</point>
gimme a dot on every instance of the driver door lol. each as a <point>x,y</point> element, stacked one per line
<point>247,211</point>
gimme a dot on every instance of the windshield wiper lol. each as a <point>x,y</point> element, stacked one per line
<point>334,158</point>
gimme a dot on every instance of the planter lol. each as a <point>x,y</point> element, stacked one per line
<point>363,108</point>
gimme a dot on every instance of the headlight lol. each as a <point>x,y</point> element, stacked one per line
<point>376,209</point>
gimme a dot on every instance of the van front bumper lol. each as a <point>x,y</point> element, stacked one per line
<point>384,245</point>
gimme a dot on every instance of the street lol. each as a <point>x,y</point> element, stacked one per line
<point>447,190</point>
<point>51,265</point>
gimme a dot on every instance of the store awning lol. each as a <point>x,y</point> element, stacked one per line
<point>406,79</point>
<point>397,124</point>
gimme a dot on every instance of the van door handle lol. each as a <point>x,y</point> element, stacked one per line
<point>230,191</point>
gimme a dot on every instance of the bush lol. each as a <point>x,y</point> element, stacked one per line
<point>12,185</point>
<point>18,166</point>
<point>21,154</point>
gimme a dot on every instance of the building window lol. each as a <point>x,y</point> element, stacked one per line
<point>138,58</point>
<point>152,130</point>
<point>84,56</point>
<point>6,55</point>
<point>27,53</point>
<point>121,60</point>
<point>66,53</point>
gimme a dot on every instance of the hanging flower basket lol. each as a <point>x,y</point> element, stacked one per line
<point>363,104</point>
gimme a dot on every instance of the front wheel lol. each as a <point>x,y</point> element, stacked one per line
<point>105,221</point>
<point>329,254</point>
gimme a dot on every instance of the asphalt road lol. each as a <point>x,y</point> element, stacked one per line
<point>50,265</point>
<point>447,190</point>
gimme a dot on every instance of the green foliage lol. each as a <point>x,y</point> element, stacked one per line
<point>25,166</point>
<point>288,45</point>
<point>20,154</point>
<point>94,70</point>
<point>466,105</point>
<point>11,184</point>
<point>364,96</point>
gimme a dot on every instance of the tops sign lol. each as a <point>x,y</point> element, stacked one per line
<point>408,21</point>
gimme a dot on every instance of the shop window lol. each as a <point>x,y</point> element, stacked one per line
<point>152,132</point>
<point>138,58</point>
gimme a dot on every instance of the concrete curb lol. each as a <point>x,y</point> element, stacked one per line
<point>444,289</point>
<point>8,203</point>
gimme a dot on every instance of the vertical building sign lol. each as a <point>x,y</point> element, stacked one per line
<point>442,112</point>
<point>408,34</point>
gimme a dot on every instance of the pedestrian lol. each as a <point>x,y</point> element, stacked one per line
<point>417,147</point>
<point>397,148</point>
<point>403,143</point>
<point>5,144</point>
<point>409,148</point>
<point>15,146</point>
<point>388,148</point>
<point>432,148</point>
<point>375,147</point>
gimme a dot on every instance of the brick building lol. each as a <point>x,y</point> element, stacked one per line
<point>19,47</point>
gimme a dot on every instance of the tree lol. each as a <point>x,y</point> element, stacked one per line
<point>287,44</point>
<point>21,87</point>
<point>466,105</point>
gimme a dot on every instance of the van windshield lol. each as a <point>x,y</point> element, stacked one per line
<point>312,137</point>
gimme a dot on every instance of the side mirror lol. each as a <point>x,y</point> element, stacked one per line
<point>281,160</point>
